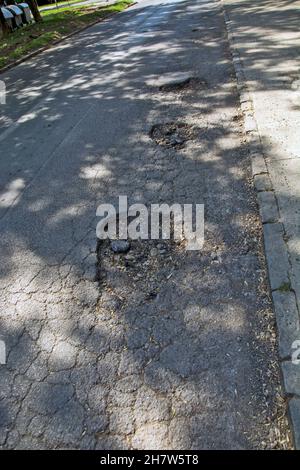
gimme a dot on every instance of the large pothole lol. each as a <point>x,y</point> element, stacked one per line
<point>188,84</point>
<point>172,134</point>
<point>138,274</point>
<point>176,82</point>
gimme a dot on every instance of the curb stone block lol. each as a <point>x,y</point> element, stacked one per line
<point>239,73</point>
<point>240,86</point>
<point>294,409</point>
<point>253,135</point>
<point>254,141</point>
<point>262,182</point>
<point>258,164</point>
<point>244,96</point>
<point>246,106</point>
<point>249,124</point>
<point>291,377</point>
<point>287,319</point>
<point>276,255</point>
<point>267,207</point>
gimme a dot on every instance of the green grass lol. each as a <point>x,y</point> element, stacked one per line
<point>56,25</point>
<point>63,2</point>
<point>285,287</point>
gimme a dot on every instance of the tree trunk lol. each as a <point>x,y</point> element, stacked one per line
<point>5,29</point>
<point>35,10</point>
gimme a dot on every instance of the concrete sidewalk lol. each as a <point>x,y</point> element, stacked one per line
<point>266,36</point>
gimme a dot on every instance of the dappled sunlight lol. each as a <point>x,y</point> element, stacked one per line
<point>94,171</point>
<point>267,39</point>
<point>9,196</point>
<point>269,46</point>
<point>112,362</point>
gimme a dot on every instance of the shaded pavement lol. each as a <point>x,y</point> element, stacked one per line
<point>268,39</point>
<point>165,349</point>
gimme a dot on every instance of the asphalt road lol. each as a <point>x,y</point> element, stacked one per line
<point>168,348</point>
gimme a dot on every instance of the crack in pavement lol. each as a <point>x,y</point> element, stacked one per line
<point>187,362</point>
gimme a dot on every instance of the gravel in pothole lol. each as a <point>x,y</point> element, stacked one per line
<point>141,270</point>
<point>173,134</point>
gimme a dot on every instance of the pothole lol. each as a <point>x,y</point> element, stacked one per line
<point>135,270</point>
<point>138,273</point>
<point>183,85</point>
<point>176,81</point>
<point>172,134</point>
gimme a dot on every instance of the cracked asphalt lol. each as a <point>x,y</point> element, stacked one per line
<point>161,348</point>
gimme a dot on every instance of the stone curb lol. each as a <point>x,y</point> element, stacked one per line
<point>287,319</point>
<point>276,252</point>
<point>58,41</point>
<point>277,257</point>
<point>268,207</point>
<point>294,412</point>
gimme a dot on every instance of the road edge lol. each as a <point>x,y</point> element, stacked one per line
<point>276,252</point>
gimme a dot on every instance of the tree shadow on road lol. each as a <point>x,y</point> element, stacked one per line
<point>195,367</point>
